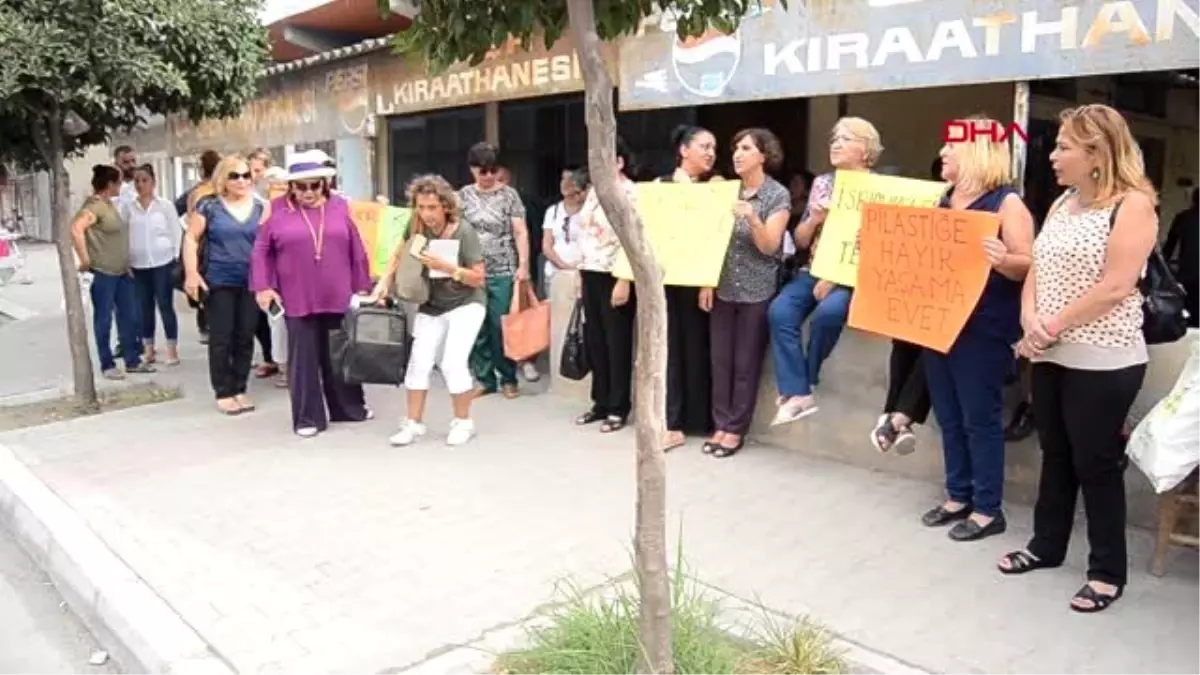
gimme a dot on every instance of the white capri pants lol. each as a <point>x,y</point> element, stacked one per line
<point>445,341</point>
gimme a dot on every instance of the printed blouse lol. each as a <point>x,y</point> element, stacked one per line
<point>749,275</point>
<point>1068,259</point>
<point>491,214</point>
<point>597,240</point>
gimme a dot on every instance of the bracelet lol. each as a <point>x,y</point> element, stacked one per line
<point>458,275</point>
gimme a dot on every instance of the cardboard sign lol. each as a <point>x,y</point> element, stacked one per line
<point>382,228</point>
<point>689,226</point>
<point>921,271</point>
<point>837,254</point>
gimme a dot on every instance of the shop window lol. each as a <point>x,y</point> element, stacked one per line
<point>1154,155</point>
<point>433,143</point>
<point>648,134</point>
<point>1065,89</point>
<point>1140,95</point>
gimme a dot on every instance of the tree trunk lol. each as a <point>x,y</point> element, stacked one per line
<point>650,527</point>
<point>77,331</point>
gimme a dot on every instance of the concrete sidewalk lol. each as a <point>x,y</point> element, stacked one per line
<point>341,554</point>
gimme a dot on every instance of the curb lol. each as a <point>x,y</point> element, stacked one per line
<point>477,656</point>
<point>125,614</point>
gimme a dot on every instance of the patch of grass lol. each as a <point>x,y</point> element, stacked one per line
<point>599,634</point>
<point>796,646</point>
<point>66,407</point>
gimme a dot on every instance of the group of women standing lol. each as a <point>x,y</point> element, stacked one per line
<point>716,336</point>
<point>130,244</point>
<point>1068,301</point>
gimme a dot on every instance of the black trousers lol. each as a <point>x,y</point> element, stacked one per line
<point>232,318</point>
<point>1079,416</point>
<point>262,333</point>
<point>740,335</point>
<point>907,391</point>
<point>608,339</point>
<point>312,383</point>
<point>689,375</point>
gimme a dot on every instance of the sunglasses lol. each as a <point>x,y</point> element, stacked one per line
<point>307,186</point>
<point>234,175</point>
<point>487,170</point>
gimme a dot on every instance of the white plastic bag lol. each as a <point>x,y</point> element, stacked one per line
<point>1164,444</point>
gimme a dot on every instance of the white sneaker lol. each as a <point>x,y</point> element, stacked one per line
<point>410,432</point>
<point>461,432</point>
<point>307,432</point>
<point>530,372</point>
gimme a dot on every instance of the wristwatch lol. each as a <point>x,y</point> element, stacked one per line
<point>458,275</point>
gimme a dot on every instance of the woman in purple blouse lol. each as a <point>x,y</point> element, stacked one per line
<point>309,259</point>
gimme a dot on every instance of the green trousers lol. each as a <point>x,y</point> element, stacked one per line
<point>488,364</point>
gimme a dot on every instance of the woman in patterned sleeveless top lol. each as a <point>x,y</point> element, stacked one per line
<point>1082,315</point>
<point>966,384</point>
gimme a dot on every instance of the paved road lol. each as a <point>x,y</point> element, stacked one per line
<point>37,635</point>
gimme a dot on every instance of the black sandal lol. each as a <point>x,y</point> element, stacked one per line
<point>726,451</point>
<point>612,424</point>
<point>709,447</point>
<point>589,417</point>
<point>884,435</point>
<point>1020,562</point>
<point>1100,601</point>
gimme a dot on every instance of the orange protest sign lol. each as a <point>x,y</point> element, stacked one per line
<point>921,272</point>
<point>366,216</point>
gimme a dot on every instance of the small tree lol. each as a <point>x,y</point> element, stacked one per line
<point>449,31</point>
<point>75,71</point>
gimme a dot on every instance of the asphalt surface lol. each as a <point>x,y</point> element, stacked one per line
<point>38,632</point>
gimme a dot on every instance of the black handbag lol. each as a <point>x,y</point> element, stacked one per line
<point>1164,317</point>
<point>574,363</point>
<point>372,346</point>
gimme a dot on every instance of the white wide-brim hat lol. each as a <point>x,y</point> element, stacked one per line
<point>310,164</point>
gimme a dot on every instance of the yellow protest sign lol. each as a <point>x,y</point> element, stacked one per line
<point>689,226</point>
<point>392,229</point>
<point>837,251</point>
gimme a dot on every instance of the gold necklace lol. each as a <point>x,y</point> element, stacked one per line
<point>318,233</point>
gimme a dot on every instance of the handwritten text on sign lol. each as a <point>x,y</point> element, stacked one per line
<point>689,226</point>
<point>381,228</point>
<point>837,253</point>
<point>921,272</point>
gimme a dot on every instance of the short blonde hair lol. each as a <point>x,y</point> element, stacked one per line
<point>260,154</point>
<point>1104,133</point>
<point>863,131</point>
<point>984,163</point>
<point>227,165</point>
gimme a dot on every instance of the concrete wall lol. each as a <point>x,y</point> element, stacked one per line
<point>853,384</point>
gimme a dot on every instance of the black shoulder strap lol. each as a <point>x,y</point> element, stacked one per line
<point>1112,220</point>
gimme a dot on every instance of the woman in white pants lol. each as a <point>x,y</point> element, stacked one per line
<point>447,323</point>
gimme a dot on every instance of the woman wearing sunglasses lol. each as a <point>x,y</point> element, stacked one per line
<point>495,211</point>
<point>229,222</point>
<point>560,236</point>
<point>308,262</point>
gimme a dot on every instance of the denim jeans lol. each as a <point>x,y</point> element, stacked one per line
<point>966,386</point>
<point>156,290</point>
<point>798,370</point>
<point>115,297</point>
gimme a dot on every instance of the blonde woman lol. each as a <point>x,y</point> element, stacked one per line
<point>854,146</point>
<point>966,385</point>
<point>1082,315</point>
<point>228,221</point>
<point>446,325</point>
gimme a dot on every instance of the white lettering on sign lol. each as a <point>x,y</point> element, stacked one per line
<point>501,81</point>
<point>1113,21</point>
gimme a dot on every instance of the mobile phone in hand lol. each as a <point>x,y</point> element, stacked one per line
<point>418,245</point>
<point>275,310</point>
